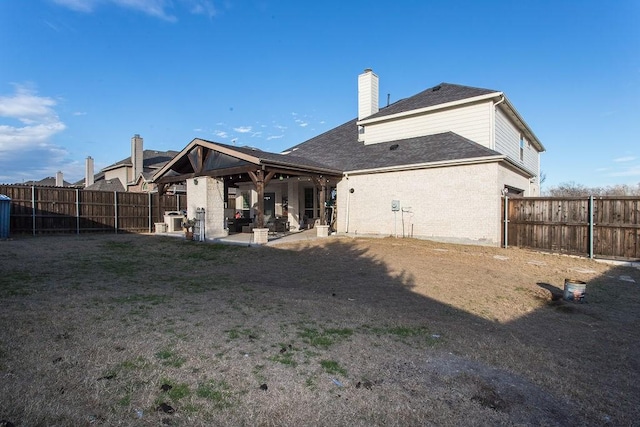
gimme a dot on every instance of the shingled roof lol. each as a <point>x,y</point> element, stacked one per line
<point>107,185</point>
<point>151,158</point>
<point>340,149</point>
<point>439,94</point>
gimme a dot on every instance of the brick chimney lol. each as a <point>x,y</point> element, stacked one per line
<point>367,94</point>
<point>88,172</point>
<point>59,179</point>
<point>136,156</point>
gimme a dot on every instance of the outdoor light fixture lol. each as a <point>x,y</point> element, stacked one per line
<point>195,181</point>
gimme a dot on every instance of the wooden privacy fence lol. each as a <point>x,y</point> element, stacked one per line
<point>604,227</point>
<point>41,210</point>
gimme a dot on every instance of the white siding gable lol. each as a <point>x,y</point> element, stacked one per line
<point>508,143</point>
<point>470,121</point>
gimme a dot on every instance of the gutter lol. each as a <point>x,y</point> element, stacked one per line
<point>528,132</point>
<point>431,108</point>
<point>430,165</point>
<point>493,122</point>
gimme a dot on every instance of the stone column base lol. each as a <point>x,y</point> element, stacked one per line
<point>260,236</point>
<point>322,230</point>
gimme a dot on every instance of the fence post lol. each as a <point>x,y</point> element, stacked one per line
<point>177,201</point>
<point>591,227</point>
<point>33,210</point>
<point>77,211</point>
<point>506,221</point>
<point>150,221</point>
<point>115,205</point>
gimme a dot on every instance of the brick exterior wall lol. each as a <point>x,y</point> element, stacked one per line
<point>457,203</point>
<point>208,193</point>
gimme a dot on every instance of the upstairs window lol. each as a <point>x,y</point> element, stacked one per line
<point>521,148</point>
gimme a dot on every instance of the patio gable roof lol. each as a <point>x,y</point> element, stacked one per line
<point>207,158</point>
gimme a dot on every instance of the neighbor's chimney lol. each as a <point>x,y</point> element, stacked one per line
<point>59,179</point>
<point>88,172</point>
<point>367,94</point>
<point>136,156</point>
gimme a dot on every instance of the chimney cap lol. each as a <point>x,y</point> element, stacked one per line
<point>368,70</point>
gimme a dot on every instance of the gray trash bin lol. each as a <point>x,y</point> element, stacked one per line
<point>5,215</point>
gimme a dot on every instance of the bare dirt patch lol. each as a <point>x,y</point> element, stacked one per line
<point>143,330</point>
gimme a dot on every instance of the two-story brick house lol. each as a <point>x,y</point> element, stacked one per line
<point>434,165</point>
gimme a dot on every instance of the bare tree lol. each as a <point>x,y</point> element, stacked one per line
<point>572,189</point>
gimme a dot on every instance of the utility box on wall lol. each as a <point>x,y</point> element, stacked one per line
<point>5,216</point>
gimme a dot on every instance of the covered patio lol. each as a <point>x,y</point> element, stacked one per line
<point>243,189</point>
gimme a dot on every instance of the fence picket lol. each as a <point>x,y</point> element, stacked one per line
<point>590,226</point>
<point>44,210</point>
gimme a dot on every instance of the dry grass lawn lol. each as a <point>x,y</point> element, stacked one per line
<point>135,330</point>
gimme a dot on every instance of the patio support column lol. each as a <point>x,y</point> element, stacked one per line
<point>260,181</point>
<point>207,193</point>
<point>293,191</point>
<point>321,184</point>
<point>161,189</point>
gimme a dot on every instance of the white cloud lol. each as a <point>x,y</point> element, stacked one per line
<point>78,5</point>
<point>274,137</point>
<point>302,123</point>
<point>243,129</point>
<point>202,7</point>
<point>221,134</point>
<point>27,123</point>
<point>80,113</point>
<point>156,8</point>
<point>624,159</point>
<point>35,112</point>
<point>630,171</point>
<point>280,127</point>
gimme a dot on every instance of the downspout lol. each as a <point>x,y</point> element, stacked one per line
<point>493,122</point>
<point>346,225</point>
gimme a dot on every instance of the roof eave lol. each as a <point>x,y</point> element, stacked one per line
<point>519,167</point>
<point>429,165</point>
<point>116,166</point>
<point>301,167</point>
<point>529,133</point>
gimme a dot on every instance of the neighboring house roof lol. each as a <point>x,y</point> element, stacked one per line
<point>107,185</point>
<point>152,161</point>
<point>150,158</point>
<point>339,148</point>
<point>439,94</point>
<point>47,182</point>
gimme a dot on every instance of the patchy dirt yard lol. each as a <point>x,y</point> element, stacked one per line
<point>146,330</point>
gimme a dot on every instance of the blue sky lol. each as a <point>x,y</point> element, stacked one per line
<point>79,78</point>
